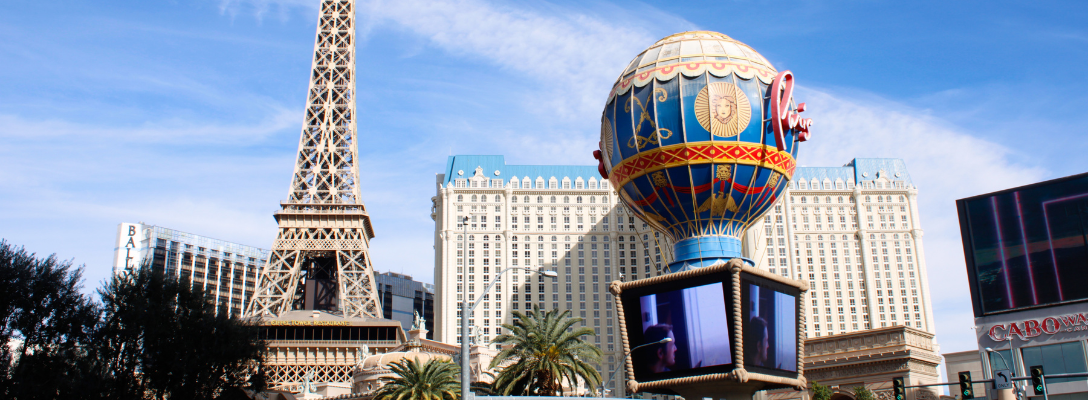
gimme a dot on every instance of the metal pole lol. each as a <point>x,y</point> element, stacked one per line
<point>1012,368</point>
<point>464,315</point>
<point>465,310</point>
<point>1043,379</point>
<point>613,376</point>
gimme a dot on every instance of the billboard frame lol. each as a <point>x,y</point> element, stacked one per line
<point>969,256</point>
<point>739,376</point>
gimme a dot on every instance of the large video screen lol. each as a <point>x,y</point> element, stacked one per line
<point>1026,247</point>
<point>770,326</point>
<point>694,316</point>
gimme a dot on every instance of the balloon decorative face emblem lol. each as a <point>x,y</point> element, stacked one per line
<point>700,136</point>
<point>723,109</point>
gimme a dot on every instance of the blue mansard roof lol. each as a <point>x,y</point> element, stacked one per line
<point>857,170</point>
<point>490,164</point>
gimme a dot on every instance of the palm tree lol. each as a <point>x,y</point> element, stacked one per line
<point>432,380</point>
<point>546,353</point>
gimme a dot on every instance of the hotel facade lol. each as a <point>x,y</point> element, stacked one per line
<point>852,232</point>
<point>226,271</point>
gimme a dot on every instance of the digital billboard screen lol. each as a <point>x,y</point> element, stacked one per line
<point>695,314</point>
<point>770,327</point>
<point>1026,247</point>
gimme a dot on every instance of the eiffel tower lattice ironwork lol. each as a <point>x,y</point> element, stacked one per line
<point>320,259</point>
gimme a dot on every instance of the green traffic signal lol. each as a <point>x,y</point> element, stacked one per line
<point>965,385</point>
<point>1037,379</point>
<point>897,388</point>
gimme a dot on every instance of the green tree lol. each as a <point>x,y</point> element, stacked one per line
<point>162,338</point>
<point>42,308</point>
<point>432,380</point>
<point>819,392</point>
<point>861,393</point>
<point>546,352</point>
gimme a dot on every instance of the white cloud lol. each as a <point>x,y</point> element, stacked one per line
<point>14,127</point>
<point>945,163</point>
<point>574,56</point>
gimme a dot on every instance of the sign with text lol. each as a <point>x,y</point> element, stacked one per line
<point>127,254</point>
<point>1002,379</point>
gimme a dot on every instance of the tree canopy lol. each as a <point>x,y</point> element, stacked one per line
<point>819,392</point>
<point>431,380</point>
<point>546,352</point>
<point>861,393</point>
<point>151,336</point>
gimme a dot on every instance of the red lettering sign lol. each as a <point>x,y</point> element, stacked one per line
<point>995,335</point>
<point>1031,328</point>
<point>1028,329</point>
<point>1052,323</point>
<point>1015,330</point>
<point>782,119</point>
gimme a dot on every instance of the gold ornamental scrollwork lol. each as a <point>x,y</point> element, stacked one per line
<point>654,137</point>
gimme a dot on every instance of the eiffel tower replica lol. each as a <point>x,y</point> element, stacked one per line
<point>320,259</point>
<point>316,297</point>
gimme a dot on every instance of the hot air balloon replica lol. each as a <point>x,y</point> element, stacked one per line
<point>699,136</point>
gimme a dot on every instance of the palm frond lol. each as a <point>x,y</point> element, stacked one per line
<point>543,353</point>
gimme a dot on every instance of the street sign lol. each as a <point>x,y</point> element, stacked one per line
<point>1002,379</point>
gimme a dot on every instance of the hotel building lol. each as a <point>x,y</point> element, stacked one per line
<point>540,217</point>
<point>403,297</point>
<point>225,271</point>
<point>854,234</point>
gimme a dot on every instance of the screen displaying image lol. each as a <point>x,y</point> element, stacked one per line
<point>1028,246</point>
<point>770,328</point>
<point>694,318</point>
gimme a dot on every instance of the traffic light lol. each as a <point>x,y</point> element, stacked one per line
<point>1037,379</point>
<point>897,388</point>
<point>965,385</point>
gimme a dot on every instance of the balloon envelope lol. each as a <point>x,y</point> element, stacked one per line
<point>687,139</point>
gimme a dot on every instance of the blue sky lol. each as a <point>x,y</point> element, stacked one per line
<point>186,113</point>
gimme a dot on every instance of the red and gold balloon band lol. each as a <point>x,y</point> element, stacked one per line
<point>724,184</point>
<point>702,153</point>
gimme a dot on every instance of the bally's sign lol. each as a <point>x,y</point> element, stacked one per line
<point>1030,328</point>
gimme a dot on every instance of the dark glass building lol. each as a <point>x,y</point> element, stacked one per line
<point>402,297</point>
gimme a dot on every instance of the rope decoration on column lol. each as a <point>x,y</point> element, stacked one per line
<point>629,364</point>
<point>739,373</point>
<point>802,321</point>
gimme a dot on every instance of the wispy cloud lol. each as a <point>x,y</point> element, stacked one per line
<point>946,163</point>
<point>572,55</point>
<point>173,130</point>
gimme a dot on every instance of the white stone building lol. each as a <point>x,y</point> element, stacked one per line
<point>562,218</point>
<point>853,233</point>
<point>828,228</point>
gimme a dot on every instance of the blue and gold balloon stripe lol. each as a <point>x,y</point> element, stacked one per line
<point>692,201</point>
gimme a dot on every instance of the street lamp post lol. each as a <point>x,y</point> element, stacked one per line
<point>466,311</point>
<point>624,359</point>
<point>1006,362</point>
